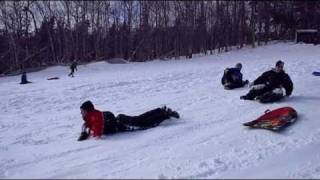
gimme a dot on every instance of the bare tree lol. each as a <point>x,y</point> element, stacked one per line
<point>41,33</point>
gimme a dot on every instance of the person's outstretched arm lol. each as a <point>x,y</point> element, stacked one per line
<point>262,78</point>
<point>84,135</point>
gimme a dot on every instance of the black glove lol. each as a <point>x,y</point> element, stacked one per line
<point>83,136</point>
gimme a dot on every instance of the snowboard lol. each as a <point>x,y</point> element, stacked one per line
<point>274,120</point>
<point>316,73</point>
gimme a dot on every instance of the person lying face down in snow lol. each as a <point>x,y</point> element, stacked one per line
<point>269,86</point>
<point>232,77</point>
<point>97,123</point>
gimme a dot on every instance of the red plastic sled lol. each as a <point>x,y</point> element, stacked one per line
<point>275,119</point>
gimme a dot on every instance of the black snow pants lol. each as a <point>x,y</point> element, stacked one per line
<point>124,122</point>
<point>264,95</point>
<point>72,72</point>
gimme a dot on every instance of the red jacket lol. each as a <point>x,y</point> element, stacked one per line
<point>94,121</point>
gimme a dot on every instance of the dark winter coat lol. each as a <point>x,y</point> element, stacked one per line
<point>232,75</point>
<point>111,124</point>
<point>274,80</point>
<point>74,66</point>
<point>24,79</point>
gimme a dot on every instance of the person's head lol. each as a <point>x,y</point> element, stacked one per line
<point>86,107</point>
<point>279,66</point>
<point>239,66</point>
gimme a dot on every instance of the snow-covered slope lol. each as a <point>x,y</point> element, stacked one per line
<point>40,122</point>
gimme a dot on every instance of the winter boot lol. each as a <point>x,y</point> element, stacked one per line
<point>245,82</point>
<point>174,114</point>
<point>244,97</point>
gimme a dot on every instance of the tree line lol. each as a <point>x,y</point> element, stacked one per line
<point>44,33</point>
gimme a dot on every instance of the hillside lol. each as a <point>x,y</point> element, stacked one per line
<point>40,122</point>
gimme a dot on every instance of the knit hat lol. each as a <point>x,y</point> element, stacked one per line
<point>88,106</point>
<point>279,63</point>
<point>239,65</point>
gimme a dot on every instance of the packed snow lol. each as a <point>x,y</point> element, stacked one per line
<point>40,122</point>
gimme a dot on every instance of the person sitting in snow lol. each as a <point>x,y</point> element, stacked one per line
<point>232,77</point>
<point>268,86</point>
<point>97,123</point>
<point>24,78</point>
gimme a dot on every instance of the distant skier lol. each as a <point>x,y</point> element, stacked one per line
<point>24,78</point>
<point>268,86</point>
<point>232,77</point>
<point>97,123</point>
<point>73,67</point>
